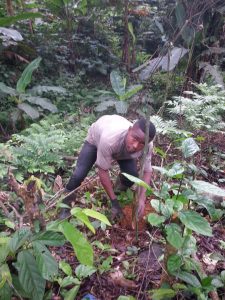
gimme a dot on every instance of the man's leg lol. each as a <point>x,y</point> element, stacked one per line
<point>85,161</point>
<point>128,166</point>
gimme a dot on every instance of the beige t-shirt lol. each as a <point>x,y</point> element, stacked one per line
<point>108,135</point>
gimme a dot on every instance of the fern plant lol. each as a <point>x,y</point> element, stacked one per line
<point>39,152</point>
<point>41,147</point>
<point>166,127</point>
<point>204,110</point>
<point>6,158</point>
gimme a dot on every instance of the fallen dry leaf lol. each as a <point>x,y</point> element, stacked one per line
<point>118,279</point>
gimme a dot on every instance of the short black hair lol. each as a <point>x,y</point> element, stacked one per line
<point>141,123</point>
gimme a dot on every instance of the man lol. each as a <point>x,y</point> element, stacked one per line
<point>113,138</point>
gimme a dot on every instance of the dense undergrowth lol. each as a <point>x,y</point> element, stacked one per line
<point>64,64</point>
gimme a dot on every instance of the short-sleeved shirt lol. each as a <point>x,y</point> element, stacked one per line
<point>108,134</point>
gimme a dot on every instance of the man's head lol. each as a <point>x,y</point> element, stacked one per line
<point>135,139</point>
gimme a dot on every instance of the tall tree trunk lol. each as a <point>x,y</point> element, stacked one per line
<point>9,8</point>
<point>126,44</point>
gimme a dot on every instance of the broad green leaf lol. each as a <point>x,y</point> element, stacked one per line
<point>156,205</point>
<point>173,235</point>
<point>65,267</point>
<point>179,286</point>
<point>131,30</point>
<point>203,186</point>
<point>19,238</point>
<point>53,226</point>
<point>188,278</point>
<point>72,293</point>
<point>196,222</point>
<point>50,238</point>
<point>118,83</point>
<point>29,110</point>
<point>29,275</point>
<point>189,147</point>
<point>83,271</point>
<point>217,282</point>
<point>46,263</point>
<point>40,89</point>
<point>206,202</point>
<point>138,181</point>
<point>43,102</point>
<point>10,224</point>
<point>80,215</point>
<point>189,246</point>
<point>177,169</point>
<point>132,90</point>
<point>167,208</point>
<point>206,282</point>
<point>5,275</point>
<point>25,78</point>
<point>106,265</point>
<point>18,287</point>
<point>7,90</point>
<point>81,246</point>
<point>121,107</point>
<point>222,275</point>
<point>6,292</point>
<point>68,281</point>
<point>83,7</point>
<point>187,32</point>
<point>7,21</point>
<point>162,170</point>
<point>96,215</point>
<point>174,263</point>
<point>155,220</point>
<point>4,249</point>
<point>162,294</point>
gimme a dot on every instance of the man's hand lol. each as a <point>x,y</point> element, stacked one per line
<point>116,210</point>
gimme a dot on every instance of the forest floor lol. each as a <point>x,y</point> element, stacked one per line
<point>137,255</point>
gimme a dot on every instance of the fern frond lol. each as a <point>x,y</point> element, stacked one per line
<point>167,127</point>
<point>201,111</point>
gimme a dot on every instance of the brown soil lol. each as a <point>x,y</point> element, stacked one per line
<point>128,223</point>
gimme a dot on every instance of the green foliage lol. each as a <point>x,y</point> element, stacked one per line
<point>24,99</point>
<point>26,76</point>
<point>44,147</point>
<point>6,157</point>
<point>81,246</point>
<point>162,294</point>
<point>47,142</point>
<point>33,261</point>
<point>202,111</point>
<point>7,21</point>
<point>165,127</point>
<point>119,86</point>
<point>173,203</point>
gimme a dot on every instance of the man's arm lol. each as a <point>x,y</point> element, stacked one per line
<point>141,193</point>
<point>106,183</point>
<point>116,210</point>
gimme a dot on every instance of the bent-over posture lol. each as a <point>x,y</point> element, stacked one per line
<point>113,138</point>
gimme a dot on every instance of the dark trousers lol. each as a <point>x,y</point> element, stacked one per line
<point>86,160</point>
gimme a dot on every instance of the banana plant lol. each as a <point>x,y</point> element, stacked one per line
<point>26,102</point>
<point>120,95</point>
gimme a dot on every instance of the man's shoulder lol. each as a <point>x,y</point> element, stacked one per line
<point>112,118</point>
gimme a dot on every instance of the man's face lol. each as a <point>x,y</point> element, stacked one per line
<point>135,140</point>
